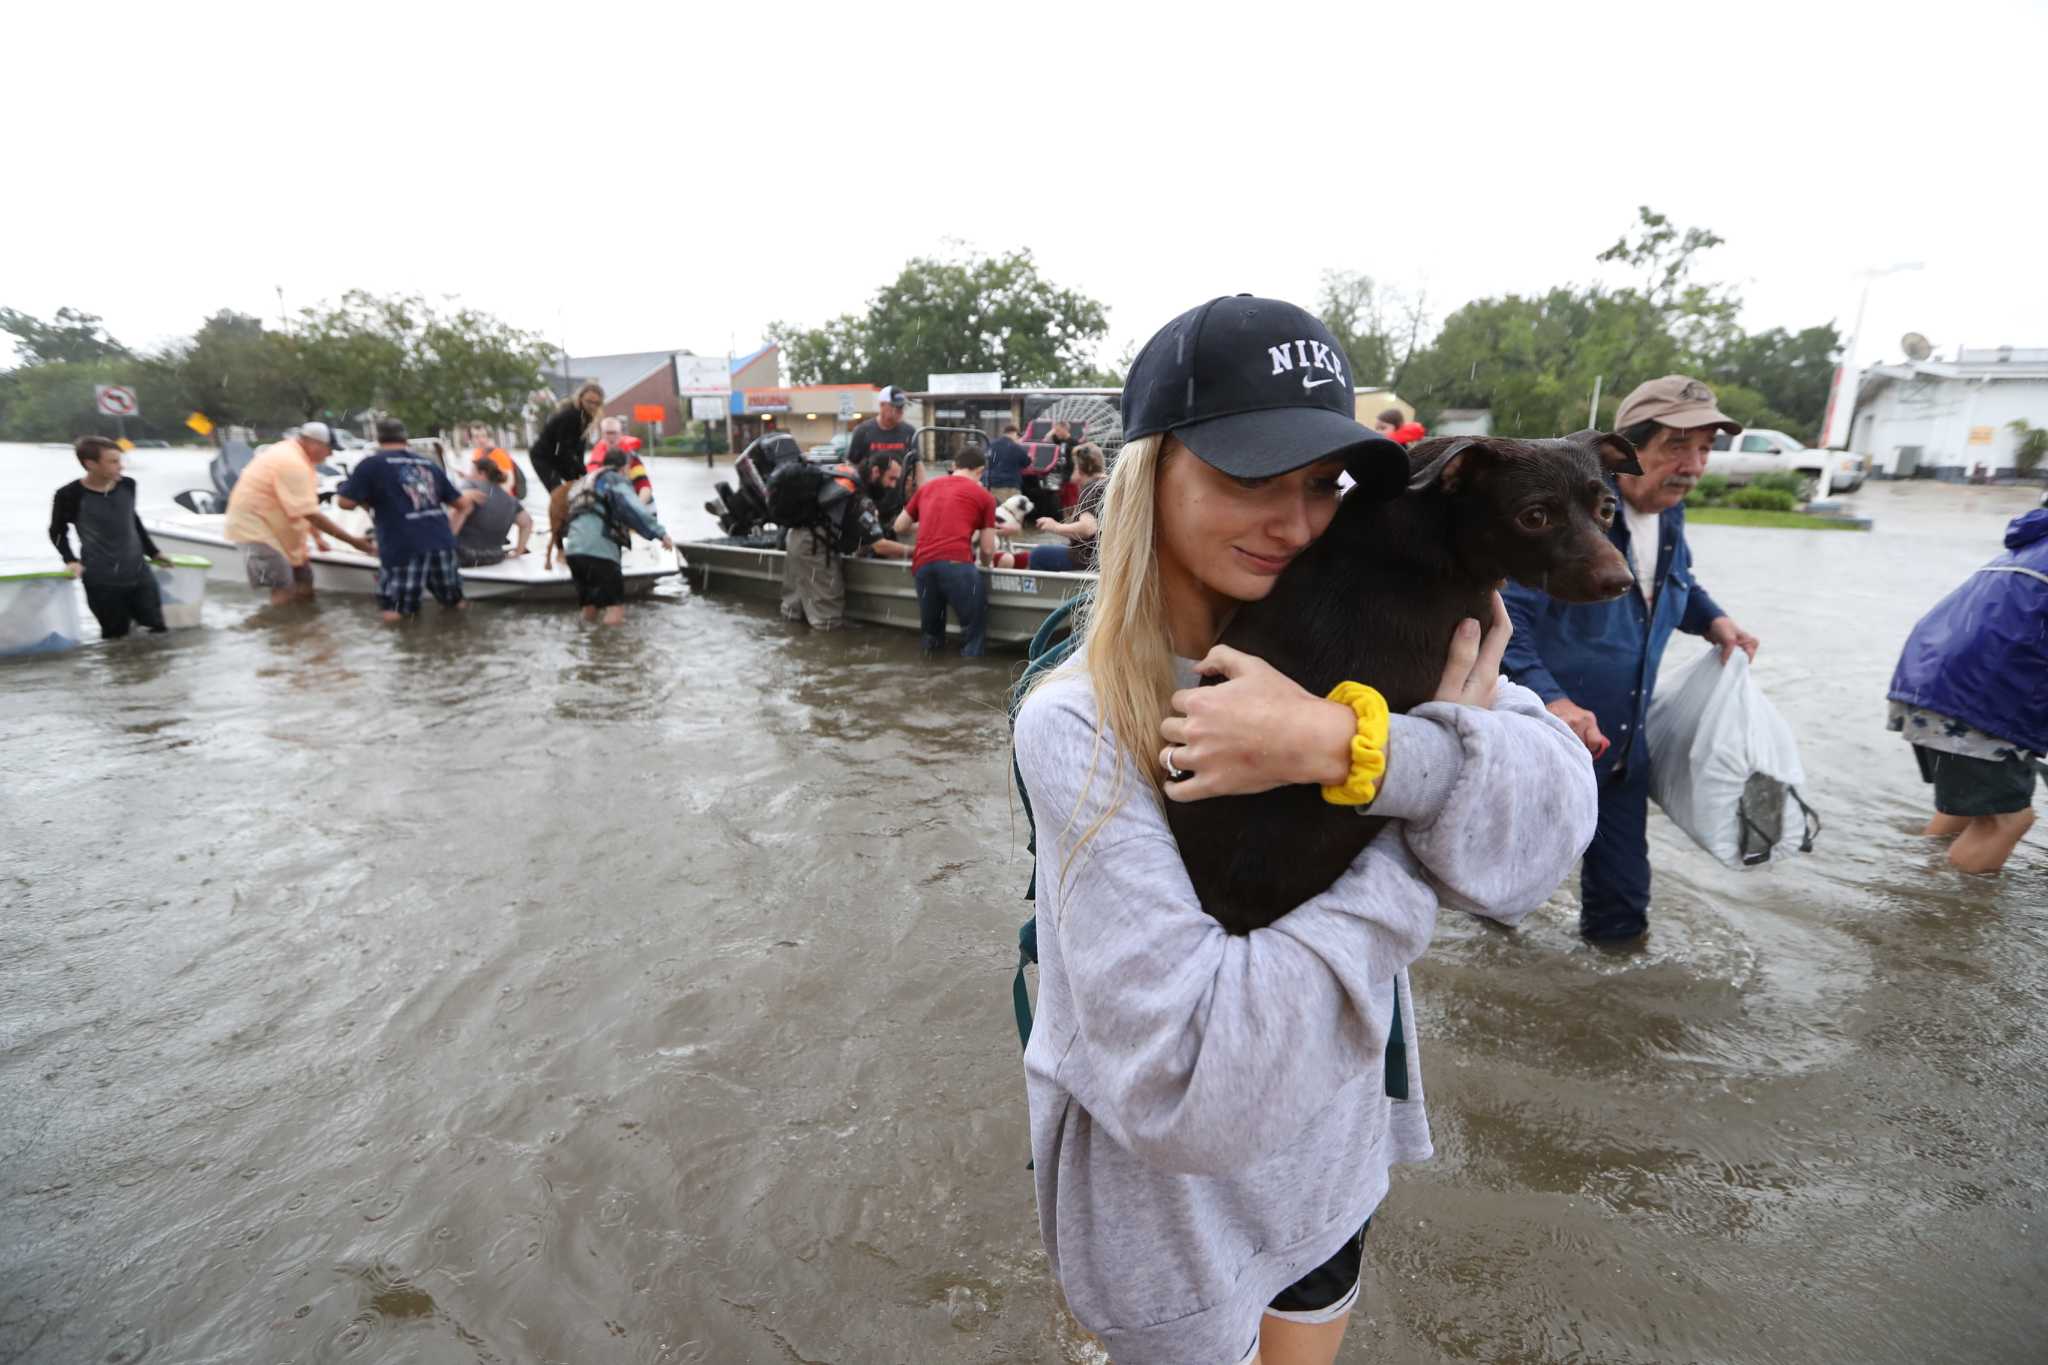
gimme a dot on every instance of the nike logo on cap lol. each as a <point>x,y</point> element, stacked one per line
<point>1308,356</point>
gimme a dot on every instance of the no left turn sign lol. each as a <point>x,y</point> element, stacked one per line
<point>115,400</point>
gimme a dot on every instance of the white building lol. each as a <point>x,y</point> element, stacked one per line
<point>1942,419</point>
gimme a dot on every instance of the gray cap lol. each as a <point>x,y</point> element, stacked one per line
<point>318,431</point>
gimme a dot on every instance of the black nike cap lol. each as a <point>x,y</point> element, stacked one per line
<point>1257,387</point>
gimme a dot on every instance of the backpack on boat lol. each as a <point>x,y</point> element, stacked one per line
<point>814,497</point>
<point>1050,647</point>
<point>586,498</point>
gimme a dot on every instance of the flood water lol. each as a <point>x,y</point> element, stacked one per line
<point>497,989</point>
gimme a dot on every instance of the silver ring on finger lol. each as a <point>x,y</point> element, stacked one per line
<point>1174,772</point>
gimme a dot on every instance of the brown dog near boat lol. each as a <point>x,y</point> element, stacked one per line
<point>1376,600</point>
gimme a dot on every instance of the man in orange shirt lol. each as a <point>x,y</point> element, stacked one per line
<point>275,503</point>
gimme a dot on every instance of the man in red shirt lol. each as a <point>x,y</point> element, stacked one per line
<point>952,514</point>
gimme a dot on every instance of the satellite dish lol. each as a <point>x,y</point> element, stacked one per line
<point>1917,347</point>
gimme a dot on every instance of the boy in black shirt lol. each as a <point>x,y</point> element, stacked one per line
<point>114,549</point>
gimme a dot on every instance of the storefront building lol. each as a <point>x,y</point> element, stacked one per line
<point>812,413</point>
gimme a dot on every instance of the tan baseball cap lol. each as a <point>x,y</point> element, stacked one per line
<point>1674,401</point>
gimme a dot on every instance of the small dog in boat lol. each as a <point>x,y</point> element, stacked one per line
<point>1376,600</point>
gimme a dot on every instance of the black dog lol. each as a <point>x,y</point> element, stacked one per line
<point>1376,600</point>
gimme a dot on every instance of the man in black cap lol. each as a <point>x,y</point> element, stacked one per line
<point>887,433</point>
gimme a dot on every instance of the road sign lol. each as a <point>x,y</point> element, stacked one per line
<point>708,409</point>
<point>846,408</point>
<point>115,400</point>
<point>702,374</point>
<point>649,412</point>
<point>198,422</point>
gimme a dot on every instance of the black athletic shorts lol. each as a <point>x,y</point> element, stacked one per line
<point>599,581</point>
<point>1970,787</point>
<point>1324,1294</point>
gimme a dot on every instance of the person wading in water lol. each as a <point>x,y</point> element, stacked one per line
<point>1213,1116</point>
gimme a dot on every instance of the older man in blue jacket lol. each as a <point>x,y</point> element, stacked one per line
<point>1595,665</point>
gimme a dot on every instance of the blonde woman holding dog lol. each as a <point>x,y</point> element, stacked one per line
<point>1213,1116</point>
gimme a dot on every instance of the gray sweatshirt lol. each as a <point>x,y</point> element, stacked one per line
<point>1209,1116</point>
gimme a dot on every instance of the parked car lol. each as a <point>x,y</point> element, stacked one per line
<point>832,452</point>
<point>1759,450</point>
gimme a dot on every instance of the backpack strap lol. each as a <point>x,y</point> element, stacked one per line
<point>1048,650</point>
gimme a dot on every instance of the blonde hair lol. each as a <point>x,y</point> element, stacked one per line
<point>1126,651</point>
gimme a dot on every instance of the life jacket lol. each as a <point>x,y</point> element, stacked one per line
<point>803,496</point>
<point>587,499</point>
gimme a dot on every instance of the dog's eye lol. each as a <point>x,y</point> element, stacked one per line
<point>1533,519</point>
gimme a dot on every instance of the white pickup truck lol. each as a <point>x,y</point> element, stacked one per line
<point>1759,450</point>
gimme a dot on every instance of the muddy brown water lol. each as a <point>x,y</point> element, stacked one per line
<point>501,990</point>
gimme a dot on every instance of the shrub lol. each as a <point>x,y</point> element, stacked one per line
<point>1784,481</point>
<point>1710,491</point>
<point>1759,499</point>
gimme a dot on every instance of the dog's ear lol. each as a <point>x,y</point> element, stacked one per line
<point>1445,461</point>
<point>1617,455</point>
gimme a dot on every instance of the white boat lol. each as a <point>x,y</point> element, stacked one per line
<point>343,570</point>
<point>882,591</point>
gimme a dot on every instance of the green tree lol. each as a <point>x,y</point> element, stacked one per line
<point>70,336</point>
<point>2032,446</point>
<point>1380,328</point>
<point>950,314</point>
<point>1792,371</point>
<point>236,371</point>
<point>399,355</point>
<point>1534,360</point>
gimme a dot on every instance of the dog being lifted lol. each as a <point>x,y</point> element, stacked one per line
<point>1376,600</point>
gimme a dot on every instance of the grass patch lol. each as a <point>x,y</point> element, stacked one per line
<point>1788,521</point>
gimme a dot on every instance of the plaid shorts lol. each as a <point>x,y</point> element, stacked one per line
<point>400,586</point>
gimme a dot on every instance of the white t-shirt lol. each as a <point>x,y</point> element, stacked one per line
<point>1643,544</point>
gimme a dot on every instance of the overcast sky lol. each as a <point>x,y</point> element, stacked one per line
<point>629,177</point>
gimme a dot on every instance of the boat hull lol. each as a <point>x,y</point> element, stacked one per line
<point>345,571</point>
<point>882,591</point>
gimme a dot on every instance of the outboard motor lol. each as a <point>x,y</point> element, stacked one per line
<point>743,510</point>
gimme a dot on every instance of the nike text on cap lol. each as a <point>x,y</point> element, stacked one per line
<point>1257,387</point>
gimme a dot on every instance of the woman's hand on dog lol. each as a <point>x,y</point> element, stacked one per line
<point>1259,729</point>
<point>1254,731</point>
<point>1472,672</point>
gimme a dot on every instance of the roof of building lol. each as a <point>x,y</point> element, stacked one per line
<point>1968,369</point>
<point>741,362</point>
<point>614,373</point>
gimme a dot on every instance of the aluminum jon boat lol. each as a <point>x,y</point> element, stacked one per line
<point>881,591</point>
<point>342,570</point>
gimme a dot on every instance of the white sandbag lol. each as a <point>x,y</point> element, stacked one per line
<point>182,588</point>
<point>1724,764</point>
<point>38,610</point>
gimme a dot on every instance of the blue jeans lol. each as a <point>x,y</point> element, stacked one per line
<point>1053,558</point>
<point>945,584</point>
<point>1614,880</point>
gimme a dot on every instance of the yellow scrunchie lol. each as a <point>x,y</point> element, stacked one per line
<point>1368,746</point>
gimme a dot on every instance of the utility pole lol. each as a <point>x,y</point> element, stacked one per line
<point>1848,379</point>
